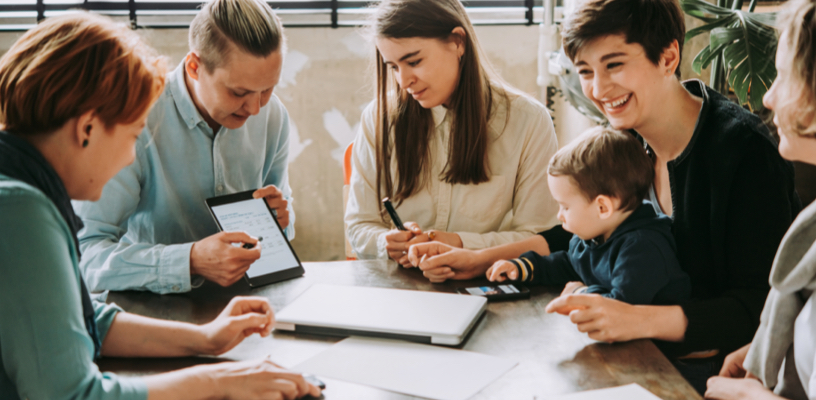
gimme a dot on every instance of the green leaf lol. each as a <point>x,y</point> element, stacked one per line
<point>713,54</point>
<point>707,27</point>
<point>702,16</point>
<point>697,63</point>
<point>723,36</point>
<point>767,19</point>
<point>747,53</point>
<point>746,43</point>
<point>698,7</point>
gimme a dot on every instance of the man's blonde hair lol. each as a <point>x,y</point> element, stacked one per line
<point>249,25</point>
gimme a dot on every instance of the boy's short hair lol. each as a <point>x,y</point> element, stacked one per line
<point>605,161</point>
<point>653,24</point>
<point>250,25</point>
<point>72,64</point>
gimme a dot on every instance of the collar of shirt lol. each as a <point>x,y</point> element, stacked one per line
<point>440,114</point>
<point>184,102</point>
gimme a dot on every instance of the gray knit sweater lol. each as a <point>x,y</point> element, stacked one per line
<point>793,280</point>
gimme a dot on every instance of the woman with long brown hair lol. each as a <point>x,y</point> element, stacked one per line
<point>460,153</point>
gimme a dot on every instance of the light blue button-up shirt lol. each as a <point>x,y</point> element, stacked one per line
<point>140,233</point>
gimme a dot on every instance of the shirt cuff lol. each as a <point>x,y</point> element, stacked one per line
<point>103,316</point>
<point>174,269</point>
<point>525,269</point>
<point>471,240</point>
<point>382,253</point>
<point>290,229</point>
<point>127,388</point>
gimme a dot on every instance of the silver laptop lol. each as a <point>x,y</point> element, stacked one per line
<point>423,317</point>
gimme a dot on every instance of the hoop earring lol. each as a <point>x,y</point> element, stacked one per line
<point>85,143</point>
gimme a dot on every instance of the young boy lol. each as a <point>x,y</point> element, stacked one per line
<point>621,248</point>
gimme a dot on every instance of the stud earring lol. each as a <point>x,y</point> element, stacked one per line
<point>85,143</point>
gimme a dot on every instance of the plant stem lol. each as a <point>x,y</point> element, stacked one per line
<point>752,5</point>
<point>717,81</point>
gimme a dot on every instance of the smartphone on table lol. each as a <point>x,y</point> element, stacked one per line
<point>497,292</point>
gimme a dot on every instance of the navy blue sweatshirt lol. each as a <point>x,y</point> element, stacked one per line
<point>637,264</point>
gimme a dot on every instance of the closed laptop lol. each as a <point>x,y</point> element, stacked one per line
<point>423,317</point>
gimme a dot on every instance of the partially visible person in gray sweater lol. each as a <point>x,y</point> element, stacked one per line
<point>786,338</point>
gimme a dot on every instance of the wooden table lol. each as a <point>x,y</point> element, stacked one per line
<point>554,358</point>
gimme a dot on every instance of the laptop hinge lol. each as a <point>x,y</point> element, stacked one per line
<point>319,330</point>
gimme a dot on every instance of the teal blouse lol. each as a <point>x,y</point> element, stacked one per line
<point>45,349</point>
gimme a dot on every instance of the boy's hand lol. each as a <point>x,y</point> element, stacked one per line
<point>501,271</point>
<point>571,287</point>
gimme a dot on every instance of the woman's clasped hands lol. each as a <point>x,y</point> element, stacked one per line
<point>398,242</point>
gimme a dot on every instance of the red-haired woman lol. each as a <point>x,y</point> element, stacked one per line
<point>75,93</point>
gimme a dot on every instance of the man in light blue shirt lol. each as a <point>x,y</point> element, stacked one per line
<point>217,129</point>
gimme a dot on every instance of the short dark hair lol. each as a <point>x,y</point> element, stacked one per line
<point>653,24</point>
<point>605,161</point>
<point>72,64</point>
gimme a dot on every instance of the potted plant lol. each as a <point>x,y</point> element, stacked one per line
<point>741,52</point>
<point>741,49</point>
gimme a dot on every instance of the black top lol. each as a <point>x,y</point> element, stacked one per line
<point>637,264</point>
<point>733,200</point>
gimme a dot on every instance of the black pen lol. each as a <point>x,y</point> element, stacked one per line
<point>393,213</point>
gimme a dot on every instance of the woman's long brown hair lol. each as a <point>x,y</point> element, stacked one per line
<point>400,118</point>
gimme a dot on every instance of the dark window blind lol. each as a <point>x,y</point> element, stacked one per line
<point>20,15</point>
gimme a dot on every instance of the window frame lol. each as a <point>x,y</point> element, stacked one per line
<point>133,9</point>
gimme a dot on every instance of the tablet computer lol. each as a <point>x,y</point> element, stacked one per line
<point>240,212</point>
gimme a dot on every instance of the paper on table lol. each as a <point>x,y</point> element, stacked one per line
<point>409,368</point>
<point>632,391</point>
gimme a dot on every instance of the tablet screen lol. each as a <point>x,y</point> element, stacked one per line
<point>253,217</point>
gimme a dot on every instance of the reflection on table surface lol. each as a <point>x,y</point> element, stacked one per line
<point>554,358</point>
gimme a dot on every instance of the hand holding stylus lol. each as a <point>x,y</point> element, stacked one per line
<point>399,240</point>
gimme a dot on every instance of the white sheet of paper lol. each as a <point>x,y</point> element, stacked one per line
<point>410,368</point>
<point>632,391</point>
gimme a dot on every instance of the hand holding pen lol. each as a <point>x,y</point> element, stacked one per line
<point>399,240</point>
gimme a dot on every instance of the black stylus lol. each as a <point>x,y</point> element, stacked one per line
<point>393,213</point>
